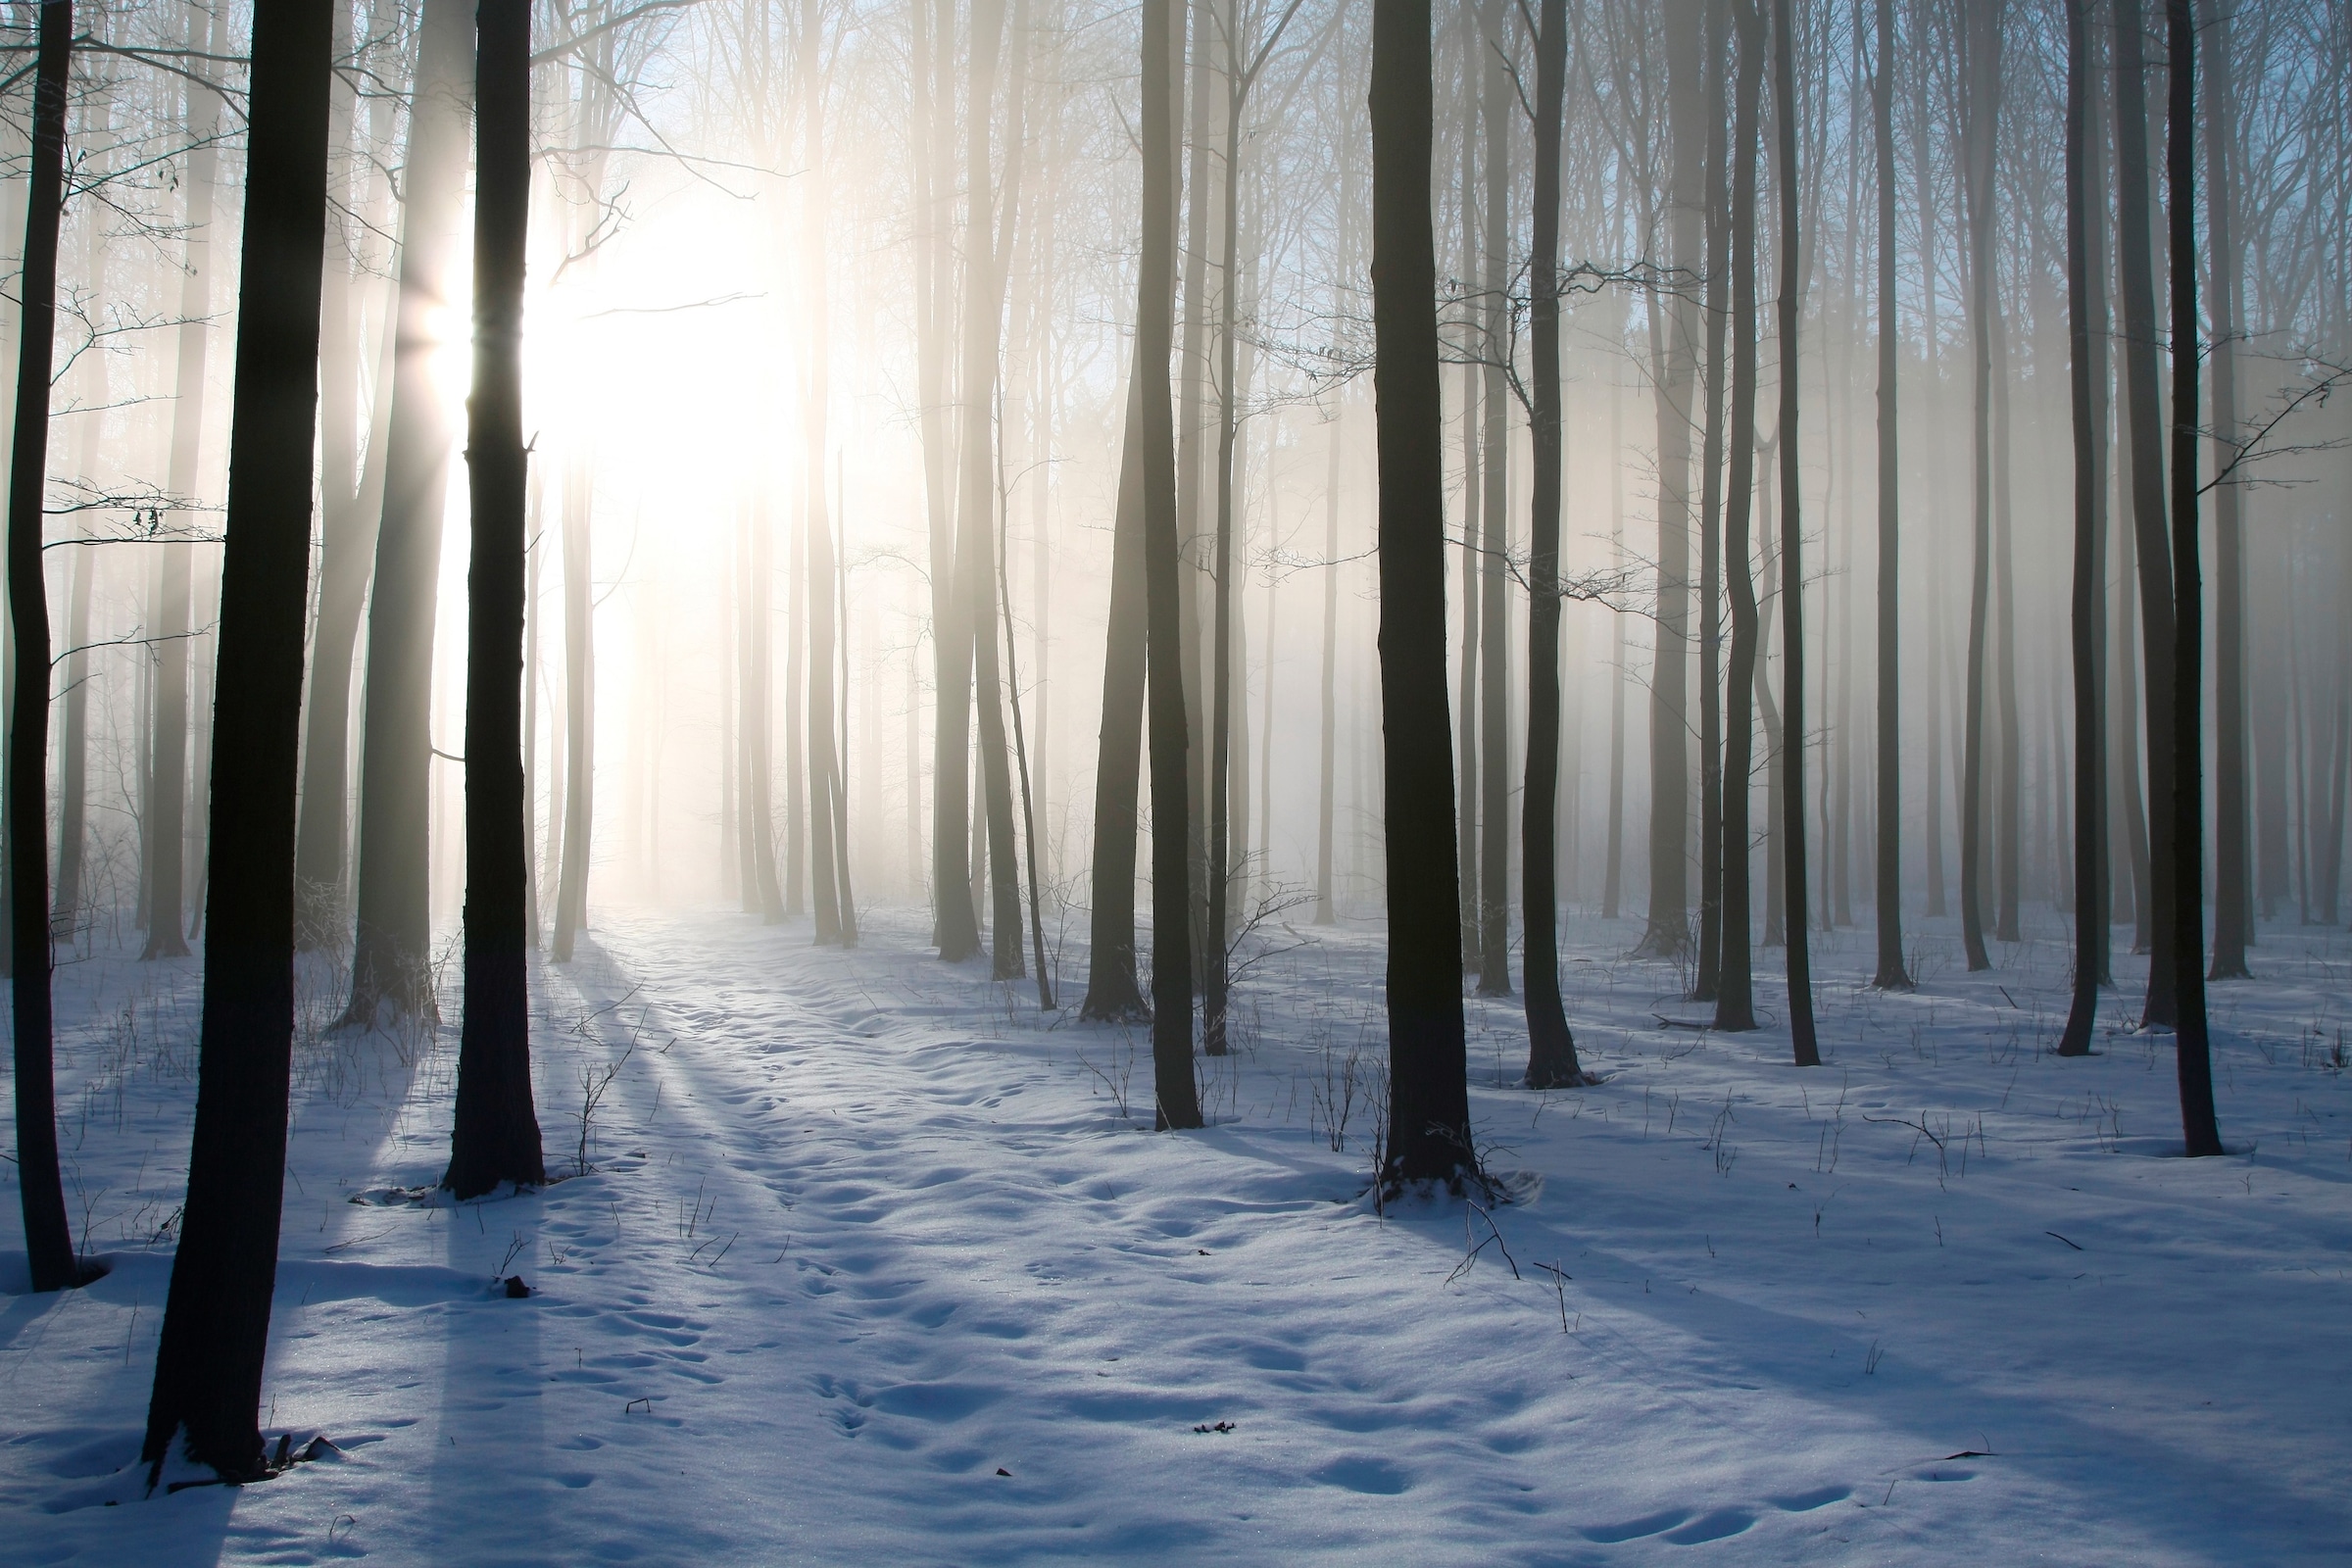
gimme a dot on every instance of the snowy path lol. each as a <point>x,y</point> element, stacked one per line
<point>864,1233</point>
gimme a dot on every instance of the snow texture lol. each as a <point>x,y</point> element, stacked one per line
<point>874,1263</point>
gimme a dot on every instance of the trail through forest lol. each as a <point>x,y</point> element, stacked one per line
<point>872,1264</point>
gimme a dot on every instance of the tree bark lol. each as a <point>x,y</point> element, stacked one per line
<point>2233,888</point>
<point>1551,1059</point>
<point>2091,888</point>
<point>1429,1110</point>
<point>2150,542</point>
<point>2192,1051</point>
<point>1113,992</point>
<point>1792,579</point>
<point>208,1372</point>
<point>1892,973</point>
<point>1709,978</point>
<point>394,929</point>
<point>1493,615</point>
<point>495,1137</point>
<point>1177,1097</point>
<point>1734,1002</point>
<point>1982,64</point>
<point>48,1242</point>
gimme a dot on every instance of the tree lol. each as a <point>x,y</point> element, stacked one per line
<point>1981,44</point>
<point>496,1134</point>
<point>1492,630</point>
<point>819,630</point>
<point>48,1242</point>
<point>390,971</point>
<point>1892,974</point>
<point>1429,1108</point>
<point>1707,982</point>
<point>2091,891</point>
<point>208,1370</point>
<point>1177,1097</point>
<point>1551,1060</point>
<point>2151,547</point>
<point>2233,891</point>
<point>1668,934</point>
<point>1112,991</point>
<point>1239,80</point>
<point>2192,1051</point>
<point>1792,577</point>
<point>1735,1001</point>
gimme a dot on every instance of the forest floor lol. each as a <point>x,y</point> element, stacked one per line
<point>870,1260</point>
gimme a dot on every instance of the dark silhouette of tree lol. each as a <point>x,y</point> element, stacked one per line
<point>1981,43</point>
<point>2192,1051</point>
<point>1735,1001</point>
<point>208,1370</point>
<point>2151,546</point>
<point>390,956</point>
<point>1792,577</point>
<point>496,1135</point>
<point>1177,1097</point>
<point>2233,888</point>
<point>1492,899</point>
<point>1892,974</point>
<point>1429,1107</point>
<point>1707,981</point>
<point>1551,1060</point>
<point>2090,782</point>
<point>48,1242</point>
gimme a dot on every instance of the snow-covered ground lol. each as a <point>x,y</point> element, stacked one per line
<point>874,1263</point>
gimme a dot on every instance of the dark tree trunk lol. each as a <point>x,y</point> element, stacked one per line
<point>1494,605</point>
<point>2192,1051</point>
<point>1892,974</point>
<point>2100,827</point>
<point>48,1242</point>
<point>208,1370</point>
<point>496,1135</point>
<point>2009,814</point>
<point>1429,1108</point>
<point>2232,890</point>
<point>1328,752</point>
<point>1112,992</point>
<point>394,930</point>
<point>1734,1001</point>
<point>2150,541</point>
<point>1709,982</point>
<point>1177,1097</point>
<point>1981,55</point>
<point>1792,579</point>
<point>1551,1060</point>
<point>2090,890</point>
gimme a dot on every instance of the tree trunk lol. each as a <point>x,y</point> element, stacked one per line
<point>1792,579</point>
<point>1668,934</point>
<point>74,741</point>
<point>2009,817</point>
<point>579,714</point>
<point>1177,1097</point>
<point>1551,1059</point>
<point>1493,616</point>
<point>495,1137</point>
<point>2233,891</point>
<point>1328,752</point>
<point>165,836</point>
<point>2090,889</point>
<point>2192,1051</point>
<point>347,529</point>
<point>1734,1002</point>
<point>1429,1111</point>
<point>1892,973</point>
<point>208,1372</point>
<point>1112,994</point>
<point>394,931</point>
<point>48,1242</point>
<point>1709,978</point>
<point>1982,64</point>
<point>815,602</point>
<point>2150,542</point>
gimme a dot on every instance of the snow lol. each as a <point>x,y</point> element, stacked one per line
<point>869,1267</point>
